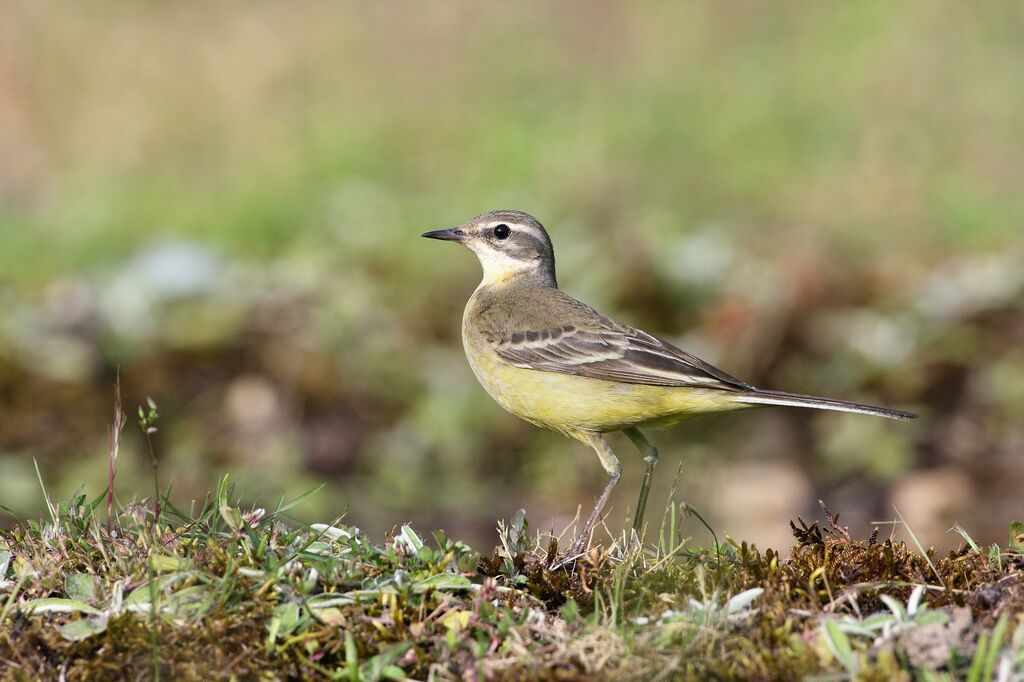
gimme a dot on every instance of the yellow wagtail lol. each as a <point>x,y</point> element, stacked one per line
<point>561,365</point>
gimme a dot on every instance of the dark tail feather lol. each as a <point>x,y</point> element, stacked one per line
<point>759,397</point>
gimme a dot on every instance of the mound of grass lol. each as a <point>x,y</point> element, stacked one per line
<point>221,593</point>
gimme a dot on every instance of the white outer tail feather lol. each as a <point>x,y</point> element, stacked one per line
<point>797,400</point>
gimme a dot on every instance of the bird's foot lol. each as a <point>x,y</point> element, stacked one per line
<point>576,550</point>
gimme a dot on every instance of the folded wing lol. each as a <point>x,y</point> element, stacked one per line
<point>616,353</point>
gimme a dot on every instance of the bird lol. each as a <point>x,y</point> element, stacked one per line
<point>561,365</point>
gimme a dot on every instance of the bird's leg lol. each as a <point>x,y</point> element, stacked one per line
<point>650,454</point>
<point>611,464</point>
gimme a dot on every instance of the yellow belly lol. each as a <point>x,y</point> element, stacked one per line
<point>568,403</point>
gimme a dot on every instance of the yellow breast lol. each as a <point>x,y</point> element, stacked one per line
<point>568,403</point>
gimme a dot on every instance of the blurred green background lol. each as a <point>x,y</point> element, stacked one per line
<point>224,201</point>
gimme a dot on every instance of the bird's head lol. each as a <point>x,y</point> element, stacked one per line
<point>508,244</point>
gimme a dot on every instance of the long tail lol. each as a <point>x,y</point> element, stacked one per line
<point>759,397</point>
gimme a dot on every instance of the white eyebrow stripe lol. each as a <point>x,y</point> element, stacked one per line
<point>532,229</point>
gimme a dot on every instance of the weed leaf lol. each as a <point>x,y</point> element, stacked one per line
<point>56,605</point>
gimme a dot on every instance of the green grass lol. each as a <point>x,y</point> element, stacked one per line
<point>219,592</point>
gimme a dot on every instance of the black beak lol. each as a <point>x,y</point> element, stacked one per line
<point>452,234</point>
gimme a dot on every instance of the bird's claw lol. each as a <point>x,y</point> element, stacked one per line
<point>575,551</point>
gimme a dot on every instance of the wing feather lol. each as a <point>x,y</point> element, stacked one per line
<point>614,353</point>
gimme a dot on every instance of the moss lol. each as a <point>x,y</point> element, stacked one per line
<point>245,595</point>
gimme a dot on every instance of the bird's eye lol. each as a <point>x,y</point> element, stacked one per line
<point>502,231</point>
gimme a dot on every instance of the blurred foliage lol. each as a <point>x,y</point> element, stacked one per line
<point>225,204</point>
